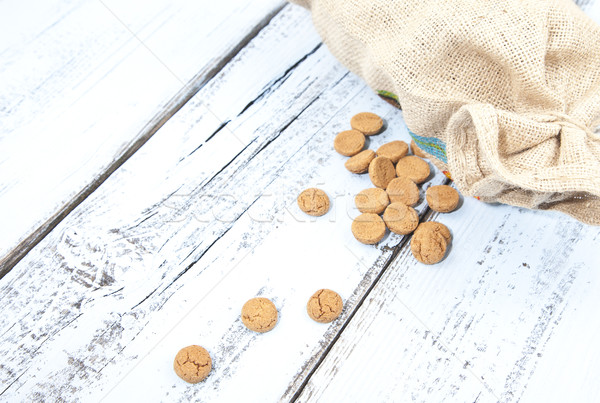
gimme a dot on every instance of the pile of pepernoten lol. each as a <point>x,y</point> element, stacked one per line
<point>388,205</point>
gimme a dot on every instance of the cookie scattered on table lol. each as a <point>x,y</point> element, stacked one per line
<point>442,198</point>
<point>381,172</point>
<point>313,202</point>
<point>192,364</point>
<point>367,123</point>
<point>414,168</point>
<point>393,196</point>
<point>403,190</point>
<point>394,150</point>
<point>349,142</point>
<point>368,228</point>
<point>359,164</point>
<point>400,218</point>
<point>259,315</point>
<point>430,242</point>
<point>372,200</point>
<point>324,306</point>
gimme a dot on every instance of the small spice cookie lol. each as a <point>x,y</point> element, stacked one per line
<point>372,200</point>
<point>429,242</point>
<point>368,228</point>
<point>259,314</point>
<point>401,219</point>
<point>313,202</point>
<point>367,123</point>
<point>192,364</point>
<point>428,248</point>
<point>381,172</point>
<point>403,190</point>
<point>349,142</point>
<point>324,306</point>
<point>393,150</point>
<point>442,198</point>
<point>414,168</point>
<point>436,227</point>
<point>359,164</point>
<point>416,150</point>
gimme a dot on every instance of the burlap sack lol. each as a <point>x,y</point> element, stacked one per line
<point>503,94</point>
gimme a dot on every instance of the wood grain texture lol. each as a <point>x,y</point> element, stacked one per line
<point>162,240</point>
<point>479,322</point>
<point>203,217</point>
<point>203,201</point>
<point>85,85</point>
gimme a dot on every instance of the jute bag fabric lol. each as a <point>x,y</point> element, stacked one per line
<point>504,95</point>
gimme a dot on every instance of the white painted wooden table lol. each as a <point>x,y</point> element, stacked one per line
<point>150,156</point>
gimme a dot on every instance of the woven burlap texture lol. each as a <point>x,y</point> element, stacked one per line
<point>511,87</point>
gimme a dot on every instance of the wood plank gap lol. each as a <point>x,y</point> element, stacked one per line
<point>280,80</point>
<point>404,241</point>
<point>428,212</point>
<point>171,108</point>
<point>393,256</point>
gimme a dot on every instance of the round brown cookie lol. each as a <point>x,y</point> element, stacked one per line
<point>428,247</point>
<point>416,150</point>
<point>324,306</point>
<point>436,227</point>
<point>393,150</point>
<point>313,202</point>
<point>414,168</point>
<point>349,142</point>
<point>381,172</point>
<point>367,123</point>
<point>368,228</point>
<point>442,198</point>
<point>401,219</point>
<point>372,200</point>
<point>192,364</point>
<point>259,314</point>
<point>359,164</point>
<point>403,190</point>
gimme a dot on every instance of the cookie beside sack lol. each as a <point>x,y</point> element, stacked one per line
<point>503,95</point>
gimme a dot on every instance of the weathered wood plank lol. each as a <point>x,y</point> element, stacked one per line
<point>199,220</point>
<point>79,263</point>
<point>83,86</point>
<point>291,257</point>
<point>493,304</point>
<point>566,368</point>
<point>195,215</point>
<point>563,369</point>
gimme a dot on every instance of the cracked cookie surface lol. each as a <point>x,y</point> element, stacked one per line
<point>430,241</point>
<point>314,202</point>
<point>192,364</point>
<point>324,306</point>
<point>437,228</point>
<point>259,314</point>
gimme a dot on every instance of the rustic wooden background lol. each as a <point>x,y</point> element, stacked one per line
<point>150,156</point>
